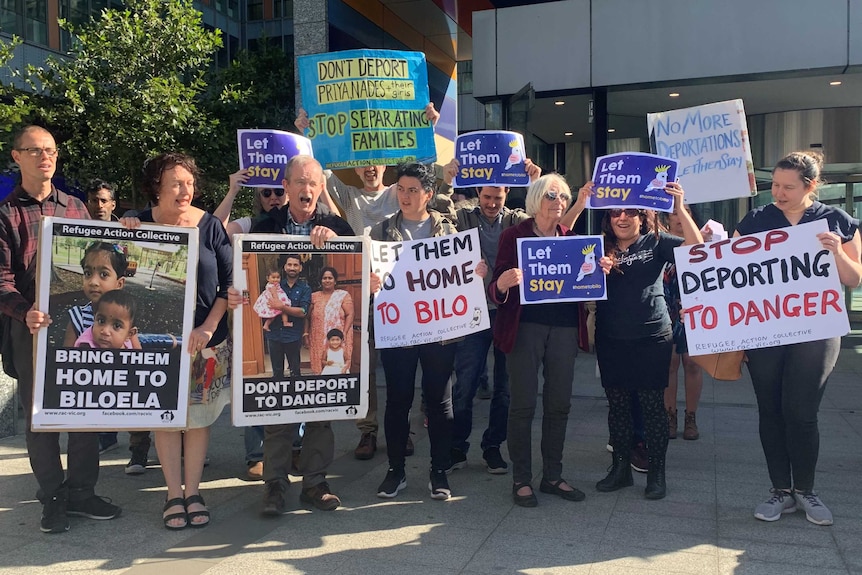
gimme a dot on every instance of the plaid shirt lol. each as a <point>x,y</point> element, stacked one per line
<point>20,219</point>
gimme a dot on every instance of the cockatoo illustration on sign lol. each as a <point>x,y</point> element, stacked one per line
<point>517,154</point>
<point>660,180</point>
<point>589,265</point>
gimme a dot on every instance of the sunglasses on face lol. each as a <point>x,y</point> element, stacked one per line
<point>630,212</point>
<point>554,196</point>
<point>268,193</point>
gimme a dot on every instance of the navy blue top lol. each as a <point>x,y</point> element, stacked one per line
<point>636,307</point>
<point>769,217</point>
<point>300,296</point>
<point>215,270</point>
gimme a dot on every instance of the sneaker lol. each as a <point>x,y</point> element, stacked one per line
<point>54,516</point>
<point>394,482</point>
<point>273,498</point>
<point>458,460</point>
<point>771,509</point>
<point>690,431</point>
<point>639,458</point>
<point>93,507</point>
<point>815,511</point>
<point>108,444</point>
<point>494,461</point>
<point>439,485</point>
<point>137,465</point>
<point>366,448</point>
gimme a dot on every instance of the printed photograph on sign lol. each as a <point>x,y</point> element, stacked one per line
<point>760,290</point>
<point>266,152</point>
<point>367,107</point>
<point>430,291</point>
<point>490,158</point>
<point>633,180</point>
<point>121,303</point>
<point>300,337</point>
<point>563,269</point>
<point>712,146</point>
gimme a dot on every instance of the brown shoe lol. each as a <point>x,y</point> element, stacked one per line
<point>320,496</point>
<point>366,448</point>
<point>690,430</point>
<point>255,471</point>
<point>672,423</point>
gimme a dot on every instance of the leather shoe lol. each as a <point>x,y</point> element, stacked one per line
<point>524,500</point>
<point>255,471</point>
<point>554,489</point>
<point>366,448</point>
<point>320,496</point>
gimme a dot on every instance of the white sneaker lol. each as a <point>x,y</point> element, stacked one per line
<point>780,502</point>
<point>815,511</point>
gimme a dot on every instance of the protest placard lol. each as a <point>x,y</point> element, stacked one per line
<point>490,158</point>
<point>633,180</point>
<point>367,107</point>
<point>264,153</point>
<point>430,290</point>
<point>712,146</point>
<point>562,269</point>
<point>122,302</point>
<point>308,362</point>
<point>761,290</point>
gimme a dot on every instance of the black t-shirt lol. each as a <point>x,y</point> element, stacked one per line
<point>769,217</point>
<point>636,307</point>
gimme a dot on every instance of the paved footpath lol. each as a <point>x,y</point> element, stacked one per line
<point>705,525</point>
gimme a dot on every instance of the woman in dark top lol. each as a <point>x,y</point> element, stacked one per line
<point>789,380</point>
<point>169,183</point>
<point>633,329</point>
<point>532,337</point>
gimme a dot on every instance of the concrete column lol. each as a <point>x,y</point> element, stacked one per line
<point>310,33</point>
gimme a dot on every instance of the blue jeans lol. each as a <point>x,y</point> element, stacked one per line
<point>253,437</point>
<point>471,361</point>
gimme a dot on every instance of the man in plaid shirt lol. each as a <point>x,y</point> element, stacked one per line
<point>35,152</point>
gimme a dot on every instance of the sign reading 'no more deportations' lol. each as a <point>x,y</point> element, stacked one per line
<point>762,290</point>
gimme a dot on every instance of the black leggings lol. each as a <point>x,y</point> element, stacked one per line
<point>655,418</point>
<point>789,381</point>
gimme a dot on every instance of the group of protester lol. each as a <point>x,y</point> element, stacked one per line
<point>634,335</point>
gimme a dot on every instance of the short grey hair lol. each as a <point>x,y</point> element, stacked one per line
<point>537,190</point>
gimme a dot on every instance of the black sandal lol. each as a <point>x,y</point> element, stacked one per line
<point>175,502</point>
<point>524,500</point>
<point>192,515</point>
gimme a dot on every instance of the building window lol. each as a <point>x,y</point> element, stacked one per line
<point>255,9</point>
<point>9,18</point>
<point>36,21</point>
<point>465,77</point>
<point>282,8</point>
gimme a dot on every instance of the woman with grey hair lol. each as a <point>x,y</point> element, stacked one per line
<point>536,336</point>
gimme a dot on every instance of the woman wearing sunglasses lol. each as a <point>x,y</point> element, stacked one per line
<point>633,329</point>
<point>532,337</point>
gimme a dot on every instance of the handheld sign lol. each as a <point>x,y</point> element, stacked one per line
<point>761,290</point>
<point>490,158</point>
<point>113,356</point>
<point>564,269</point>
<point>633,180</point>
<point>266,152</point>
<point>430,291</point>
<point>367,107</point>
<point>713,149</point>
<point>331,380</point>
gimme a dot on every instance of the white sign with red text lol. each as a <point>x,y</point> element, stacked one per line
<point>761,290</point>
<point>430,290</point>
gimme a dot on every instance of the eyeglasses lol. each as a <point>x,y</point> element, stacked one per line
<point>37,152</point>
<point>554,196</point>
<point>268,193</point>
<point>629,212</point>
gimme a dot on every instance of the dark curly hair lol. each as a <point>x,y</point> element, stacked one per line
<point>151,178</point>
<point>423,173</point>
<point>649,225</point>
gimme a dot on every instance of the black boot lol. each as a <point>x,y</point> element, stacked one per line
<point>656,487</point>
<point>620,475</point>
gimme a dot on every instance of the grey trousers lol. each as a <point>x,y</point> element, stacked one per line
<point>318,451</point>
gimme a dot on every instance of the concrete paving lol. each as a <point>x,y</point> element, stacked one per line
<point>705,525</point>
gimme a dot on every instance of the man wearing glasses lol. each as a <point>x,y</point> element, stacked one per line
<point>35,152</point>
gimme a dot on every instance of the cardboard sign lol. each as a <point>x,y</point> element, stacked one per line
<point>333,358</point>
<point>266,152</point>
<point>633,180</point>
<point>136,374</point>
<point>563,269</point>
<point>490,158</point>
<point>772,288</point>
<point>430,291</point>
<point>367,107</point>
<point>712,146</point>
